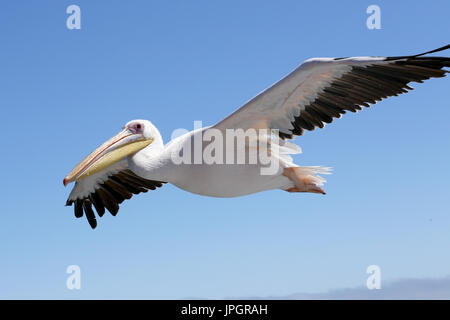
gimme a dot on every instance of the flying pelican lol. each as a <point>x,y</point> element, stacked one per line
<point>136,159</point>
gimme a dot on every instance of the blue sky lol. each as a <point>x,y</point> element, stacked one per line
<point>63,92</point>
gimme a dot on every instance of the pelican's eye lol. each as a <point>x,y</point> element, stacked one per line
<point>136,127</point>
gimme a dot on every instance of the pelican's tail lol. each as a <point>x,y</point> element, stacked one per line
<point>306,179</point>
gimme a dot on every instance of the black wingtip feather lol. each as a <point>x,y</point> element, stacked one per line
<point>90,214</point>
<point>420,54</point>
<point>78,208</point>
<point>98,204</point>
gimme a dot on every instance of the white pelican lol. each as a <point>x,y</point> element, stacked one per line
<point>136,159</point>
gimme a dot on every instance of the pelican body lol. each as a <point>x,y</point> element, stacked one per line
<point>248,151</point>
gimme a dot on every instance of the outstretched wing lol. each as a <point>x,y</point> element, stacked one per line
<point>107,189</point>
<point>321,89</point>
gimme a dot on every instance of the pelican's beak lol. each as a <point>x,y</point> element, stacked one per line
<point>115,149</point>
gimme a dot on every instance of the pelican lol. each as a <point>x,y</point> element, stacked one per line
<point>320,89</point>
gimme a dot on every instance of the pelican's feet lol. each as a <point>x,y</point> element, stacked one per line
<point>302,183</point>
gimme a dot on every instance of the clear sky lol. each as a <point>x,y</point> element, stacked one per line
<point>63,92</point>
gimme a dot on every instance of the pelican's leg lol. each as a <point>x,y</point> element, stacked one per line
<point>302,183</point>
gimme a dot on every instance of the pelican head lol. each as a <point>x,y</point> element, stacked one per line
<point>135,136</point>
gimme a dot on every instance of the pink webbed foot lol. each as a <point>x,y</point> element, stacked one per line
<point>302,183</point>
